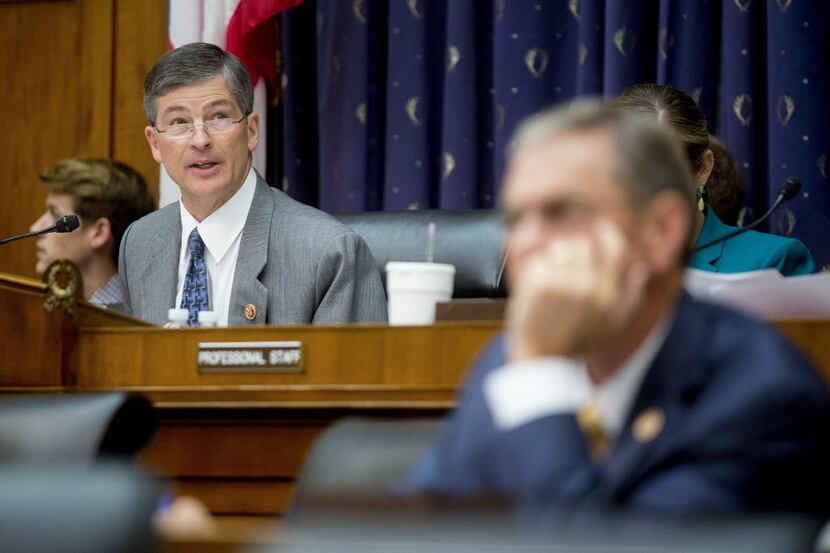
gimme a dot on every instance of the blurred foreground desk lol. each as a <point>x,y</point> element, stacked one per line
<point>233,437</point>
<point>237,438</point>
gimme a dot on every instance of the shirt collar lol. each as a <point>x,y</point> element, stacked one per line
<point>108,294</point>
<point>614,397</point>
<point>219,229</point>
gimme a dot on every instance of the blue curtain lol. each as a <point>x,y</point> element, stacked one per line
<point>409,104</point>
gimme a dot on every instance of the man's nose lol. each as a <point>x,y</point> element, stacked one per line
<point>40,223</point>
<point>201,138</point>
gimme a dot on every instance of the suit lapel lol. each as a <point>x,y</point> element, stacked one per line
<point>158,279</point>
<point>253,256</point>
<point>677,373</point>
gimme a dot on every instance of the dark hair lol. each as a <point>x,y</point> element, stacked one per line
<point>726,187</point>
<point>648,158</point>
<point>191,64</point>
<point>673,108</point>
<point>102,188</point>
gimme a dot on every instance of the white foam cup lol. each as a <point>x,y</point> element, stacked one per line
<point>414,288</point>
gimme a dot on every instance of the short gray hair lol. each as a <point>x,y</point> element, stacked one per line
<point>648,157</point>
<point>193,63</point>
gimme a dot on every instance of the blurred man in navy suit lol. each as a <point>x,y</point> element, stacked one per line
<point>610,385</point>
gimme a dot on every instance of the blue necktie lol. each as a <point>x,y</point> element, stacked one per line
<point>195,292</point>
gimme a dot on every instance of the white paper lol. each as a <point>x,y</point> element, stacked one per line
<point>764,293</point>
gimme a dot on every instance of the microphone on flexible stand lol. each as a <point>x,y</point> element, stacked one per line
<point>67,223</point>
<point>789,190</point>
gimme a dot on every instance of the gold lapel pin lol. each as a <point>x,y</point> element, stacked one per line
<point>648,424</point>
<point>250,312</point>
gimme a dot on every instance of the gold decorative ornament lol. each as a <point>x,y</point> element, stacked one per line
<point>453,56</point>
<point>743,5</point>
<point>413,9</point>
<point>573,7</point>
<point>360,113</point>
<point>786,223</point>
<point>501,116</point>
<point>499,11</point>
<point>784,109</point>
<point>625,41</point>
<point>696,93</point>
<point>742,107</point>
<point>536,61</point>
<point>783,5</point>
<point>358,11</point>
<point>583,53</point>
<point>412,108</point>
<point>449,164</point>
<point>648,424</point>
<point>664,41</point>
<point>321,21</point>
<point>64,284</point>
<point>335,68</point>
<point>250,311</point>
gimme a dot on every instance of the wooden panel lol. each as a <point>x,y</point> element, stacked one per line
<point>229,448</point>
<point>140,38</point>
<point>239,496</point>
<point>813,338</point>
<point>30,340</point>
<point>339,360</point>
<point>56,62</point>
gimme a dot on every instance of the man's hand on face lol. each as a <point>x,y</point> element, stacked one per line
<point>574,294</point>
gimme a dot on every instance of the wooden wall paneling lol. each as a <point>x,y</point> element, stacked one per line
<point>57,60</point>
<point>140,37</point>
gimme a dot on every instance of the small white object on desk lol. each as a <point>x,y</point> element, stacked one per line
<point>414,288</point>
<point>208,319</point>
<point>177,318</point>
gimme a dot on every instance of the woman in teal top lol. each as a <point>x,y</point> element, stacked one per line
<point>748,251</point>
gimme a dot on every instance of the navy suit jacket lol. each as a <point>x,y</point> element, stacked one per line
<point>747,427</point>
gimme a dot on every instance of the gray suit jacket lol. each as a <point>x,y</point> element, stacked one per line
<point>296,264</point>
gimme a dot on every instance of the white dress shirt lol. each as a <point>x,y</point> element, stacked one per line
<point>519,393</point>
<point>221,231</point>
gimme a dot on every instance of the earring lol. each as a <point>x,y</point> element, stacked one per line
<point>701,197</point>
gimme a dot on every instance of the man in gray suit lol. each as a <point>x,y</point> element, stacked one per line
<point>233,245</point>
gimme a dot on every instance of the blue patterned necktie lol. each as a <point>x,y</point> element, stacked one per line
<point>195,292</point>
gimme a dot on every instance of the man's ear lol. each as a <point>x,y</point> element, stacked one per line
<point>665,229</point>
<point>153,140</point>
<point>253,130</point>
<point>100,233</point>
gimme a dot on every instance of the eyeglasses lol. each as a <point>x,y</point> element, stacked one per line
<point>212,126</point>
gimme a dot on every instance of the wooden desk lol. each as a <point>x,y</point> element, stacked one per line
<point>237,441</point>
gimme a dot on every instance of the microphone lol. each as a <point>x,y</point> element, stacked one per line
<point>789,190</point>
<point>67,223</point>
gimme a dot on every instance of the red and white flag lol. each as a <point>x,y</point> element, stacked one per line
<point>240,27</point>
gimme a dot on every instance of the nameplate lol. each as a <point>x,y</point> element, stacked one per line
<point>250,357</point>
